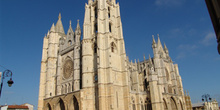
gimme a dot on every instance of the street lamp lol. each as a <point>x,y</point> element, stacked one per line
<point>206,98</point>
<point>6,73</point>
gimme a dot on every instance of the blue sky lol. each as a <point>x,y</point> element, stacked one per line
<point>184,25</point>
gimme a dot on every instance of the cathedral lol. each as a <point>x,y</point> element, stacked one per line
<point>94,73</point>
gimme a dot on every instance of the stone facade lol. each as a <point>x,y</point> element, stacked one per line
<point>95,74</point>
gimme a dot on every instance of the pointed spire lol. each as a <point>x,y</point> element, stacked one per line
<point>154,45</point>
<point>138,61</point>
<point>127,58</point>
<point>158,43</point>
<point>78,29</point>
<point>59,17</point>
<point>70,30</point>
<point>48,33</point>
<point>70,23</point>
<point>59,25</point>
<point>154,42</point>
<point>70,26</point>
<point>135,61</point>
<point>165,47</point>
<point>78,26</point>
<point>144,57</point>
<point>151,64</point>
<point>52,29</point>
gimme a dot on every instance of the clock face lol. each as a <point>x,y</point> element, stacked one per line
<point>68,69</point>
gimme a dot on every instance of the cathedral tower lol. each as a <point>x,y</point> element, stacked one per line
<point>103,57</point>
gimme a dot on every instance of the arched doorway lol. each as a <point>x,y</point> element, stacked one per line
<point>48,107</point>
<point>165,105</point>
<point>60,105</point>
<point>74,105</point>
<point>173,104</point>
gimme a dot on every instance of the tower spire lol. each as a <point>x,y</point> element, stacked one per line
<point>154,42</point>
<point>70,23</point>
<point>59,17</point>
<point>165,49</point>
<point>70,30</point>
<point>151,63</point>
<point>59,25</point>
<point>158,43</point>
<point>78,29</point>
<point>52,29</point>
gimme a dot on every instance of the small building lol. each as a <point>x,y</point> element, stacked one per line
<point>213,105</point>
<point>30,107</point>
<point>25,106</point>
<point>14,107</point>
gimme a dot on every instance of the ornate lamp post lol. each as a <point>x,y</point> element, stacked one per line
<point>6,73</point>
<point>206,98</point>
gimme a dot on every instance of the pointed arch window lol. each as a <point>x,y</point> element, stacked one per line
<point>96,15</point>
<point>165,105</point>
<point>48,107</point>
<point>173,104</point>
<point>65,89</point>
<point>61,105</point>
<point>109,15</point>
<point>110,27</point>
<point>69,87</point>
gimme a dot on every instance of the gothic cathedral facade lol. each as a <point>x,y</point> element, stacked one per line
<point>94,73</point>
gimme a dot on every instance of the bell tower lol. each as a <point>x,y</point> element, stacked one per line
<point>104,72</point>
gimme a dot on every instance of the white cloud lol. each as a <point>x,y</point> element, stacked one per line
<point>186,50</point>
<point>187,47</point>
<point>169,2</point>
<point>209,39</point>
<point>180,55</point>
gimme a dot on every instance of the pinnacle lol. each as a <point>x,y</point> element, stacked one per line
<point>154,42</point>
<point>59,25</point>
<point>70,23</point>
<point>59,17</point>
<point>78,26</point>
<point>150,60</point>
<point>165,47</point>
<point>158,43</point>
<point>52,29</point>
